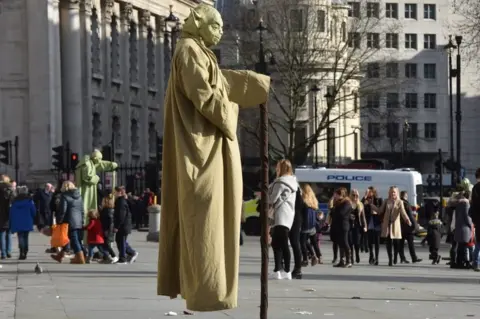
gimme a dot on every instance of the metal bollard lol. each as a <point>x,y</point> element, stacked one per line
<point>154,212</point>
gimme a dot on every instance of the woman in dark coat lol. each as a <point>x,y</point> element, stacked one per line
<point>358,225</point>
<point>374,223</point>
<point>342,209</point>
<point>71,211</point>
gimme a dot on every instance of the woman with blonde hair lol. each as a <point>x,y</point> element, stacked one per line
<point>308,239</point>
<point>342,209</point>
<point>282,196</point>
<point>392,210</point>
<point>71,211</point>
<point>358,225</point>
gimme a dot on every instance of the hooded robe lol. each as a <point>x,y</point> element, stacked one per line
<point>202,175</point>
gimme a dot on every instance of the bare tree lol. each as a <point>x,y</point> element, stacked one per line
<point>335,47</point>
<point>468,25</point>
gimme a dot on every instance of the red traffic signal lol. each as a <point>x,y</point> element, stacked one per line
<point>73,160</point>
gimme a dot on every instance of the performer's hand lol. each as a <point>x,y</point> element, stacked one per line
<point>115,230</point>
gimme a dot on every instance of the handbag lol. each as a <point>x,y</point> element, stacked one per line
<point>59,235</point>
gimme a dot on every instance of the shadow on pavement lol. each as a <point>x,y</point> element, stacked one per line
<point>368,278</point>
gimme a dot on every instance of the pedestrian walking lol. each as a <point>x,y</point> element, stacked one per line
<point>106,218</point>
<point>407,234</point>
<point>22,219</point>
<point>6,197</point>
<point>122,227</point>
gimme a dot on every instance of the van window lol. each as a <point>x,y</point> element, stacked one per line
<point>419,190</point>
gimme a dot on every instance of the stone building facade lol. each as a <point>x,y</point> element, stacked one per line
<point>87,72</point>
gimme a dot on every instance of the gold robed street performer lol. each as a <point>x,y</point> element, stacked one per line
<point>202,173</point>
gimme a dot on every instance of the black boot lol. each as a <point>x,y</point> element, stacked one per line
<point>297,274</point>
<point>341,264</point>
<point>371,259</point>
<point>348,259</point>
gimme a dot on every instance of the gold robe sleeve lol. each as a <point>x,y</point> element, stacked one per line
<point>195,75</point>
<point>246,88</point>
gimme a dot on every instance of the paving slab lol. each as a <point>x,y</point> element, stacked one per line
<point>97,291</point>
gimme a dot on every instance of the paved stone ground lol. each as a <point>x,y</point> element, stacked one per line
<point>128,291</point>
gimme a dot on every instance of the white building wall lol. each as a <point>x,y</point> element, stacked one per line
<point>441,27</point>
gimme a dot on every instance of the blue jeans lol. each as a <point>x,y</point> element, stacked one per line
<point>124,248</point>
<point>75,236</point>
<point>23,241</point>
<point>5,242</point>
<point>91,247</point>
<point>476,252</point>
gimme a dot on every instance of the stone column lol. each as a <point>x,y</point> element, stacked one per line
<point>72,113</point>
<point>142,59</point>
<point>160,59</point>
<point>40,82</point>
<point>86,47</point>
<point>107,14</point>
<point>126,18</point>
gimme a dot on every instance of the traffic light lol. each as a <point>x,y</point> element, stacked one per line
<point>73,161</point>
<point>5,152</point>
<point>58,157</point>
<point>438,167</point>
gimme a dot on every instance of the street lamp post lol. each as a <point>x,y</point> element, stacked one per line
<point>262,67</point>
<point>458,116</point>
<point>330,100</point>
<point>406,128</point>
<point>355,140</point>
<point>169,35</point>
<point>315,89</point>
<point>450,47</point>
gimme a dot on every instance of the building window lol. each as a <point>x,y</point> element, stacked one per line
<point>373,40</point>
<point>391,70</point>
<point>218,55</point>
<point>392,130</point>
<point>354,10</point>
<point>373,70</point>
<point>373,130</point>
<point>344,31</point>
<point>391,10</point>
<point>411,70</point>
<point>373,100</point>
<point>410,41</point>
<point>321,20</point>
<point>373,10</point>
<point>411,100</point>
<point>392,100</point>
<point>431,130</point>
<point>430,11</point>
<point>430,100</point>
<point>430,41</point>
<point>296,20</point>
<point>354,40</point>
<point>412,131</point>
<point>391,40</point>
<point>410,11</point>
<point>429,71</point>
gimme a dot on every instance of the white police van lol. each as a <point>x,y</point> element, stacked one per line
<point>324,181</point>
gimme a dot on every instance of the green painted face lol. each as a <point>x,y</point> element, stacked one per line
<point>211,30</point>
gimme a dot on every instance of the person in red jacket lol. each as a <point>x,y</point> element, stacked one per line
<point>95,234</point>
